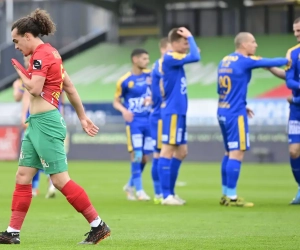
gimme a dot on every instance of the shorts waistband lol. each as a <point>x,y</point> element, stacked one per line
<point>39,115</point>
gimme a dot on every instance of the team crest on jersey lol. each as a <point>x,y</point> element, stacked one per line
<point>37,64</point>
<point>131,84</point>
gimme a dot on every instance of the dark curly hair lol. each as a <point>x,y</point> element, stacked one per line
<point>37,23</point>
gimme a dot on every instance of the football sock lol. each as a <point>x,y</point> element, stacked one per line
<point>165,175</point>
<point>20,204</point>
<point>223,174</point>
<point>136,175</point>
<point>155,177</point>
<point>175,165</point>
<point>295,164</point>
<point>78,198</point>
<point>232,172</point>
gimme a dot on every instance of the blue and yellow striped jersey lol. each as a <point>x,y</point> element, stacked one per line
<point>174,91</point>
<point>234,74</point>
<point>133,89</point>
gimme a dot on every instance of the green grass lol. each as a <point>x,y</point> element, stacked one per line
<point>201,224</point>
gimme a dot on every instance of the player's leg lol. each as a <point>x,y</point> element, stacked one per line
<point>35,184</point>
<point>156,134</point>
<point>168,149</point>
<point>294,151</point>
<point>51,141</point>
<point>135,140</point>
<point>22,195</point>
<point>222,126</point>
<point>179,154</point>
<point>238,143</point>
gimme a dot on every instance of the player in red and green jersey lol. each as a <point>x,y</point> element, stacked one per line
<point>43,143</point>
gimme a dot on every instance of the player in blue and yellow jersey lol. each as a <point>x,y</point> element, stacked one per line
<point>234,74</point>
<point>174,110</point>
<point>291,75</point>
<point>132,99</point>
<point>155,118</point>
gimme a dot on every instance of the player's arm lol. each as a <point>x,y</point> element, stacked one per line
<point>278,72</point>
<point>18,90</point>
<point>73,96</point>
<point>117,103</point>
<point>177,59</point>
<point>25,108</point>
<point>253,62</point>
<point>290,72</point>
<point>88,126</point>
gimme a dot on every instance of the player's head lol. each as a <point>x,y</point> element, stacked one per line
<point>296,28</point>
<point>26,30</point>
<point>164,45</point>
<point>179,44</point>
<point>140,58</point>
<point>245,42</point>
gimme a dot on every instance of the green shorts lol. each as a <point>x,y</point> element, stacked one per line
<point>43,143</point>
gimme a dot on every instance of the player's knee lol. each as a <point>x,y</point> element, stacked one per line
<point>145,159</point>
<point>294,152</point>
<point>167,151</point>
<point>237,155</point>
<point>181,154</point>
<point>24,175</point>
<point>60,180</point>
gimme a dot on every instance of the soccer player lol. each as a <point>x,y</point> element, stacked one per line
<point>132,100</point>
<point>43,143</point>
<point>174,109</point>
<point>234,74</point>
<point>291,75</point>
<point>155,118</point>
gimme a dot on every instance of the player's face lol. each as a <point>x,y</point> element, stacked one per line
<point>181,45</point>
<point>296,28</point>
<point>142,61</point>
<point>22,43</point>
<point>251,45</point>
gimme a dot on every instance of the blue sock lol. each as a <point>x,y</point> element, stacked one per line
<point>143,166</point>
<point>232,172</point>
<point>36,180</point>
<point>295,164</point>
<point>175,165</point>
<point>136,175</point>
<point>164,168</point>
<point>223,174</point>
<point>155,177</point>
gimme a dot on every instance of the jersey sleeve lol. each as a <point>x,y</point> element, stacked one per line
<point>120,89</point>
<point>254,62</point>
<point>179,59</point>
<point>41,63</point>
<point>290,71</point>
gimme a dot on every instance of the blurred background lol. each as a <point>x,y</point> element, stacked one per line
<point>95,38</point>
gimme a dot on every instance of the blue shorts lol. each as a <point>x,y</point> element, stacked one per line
<point>235,132</point>
<point>294,128</point>
<point>139,137</point>
<point>174,129</point>
<point>156,132</point>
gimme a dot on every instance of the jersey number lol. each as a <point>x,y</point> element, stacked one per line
<point>225,83</point>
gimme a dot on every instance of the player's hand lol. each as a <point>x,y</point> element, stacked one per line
<point>250,112</point>
<point>290,99</point>
<point>89,127</point>
<point>127,115</point>
<point>184,32</point>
